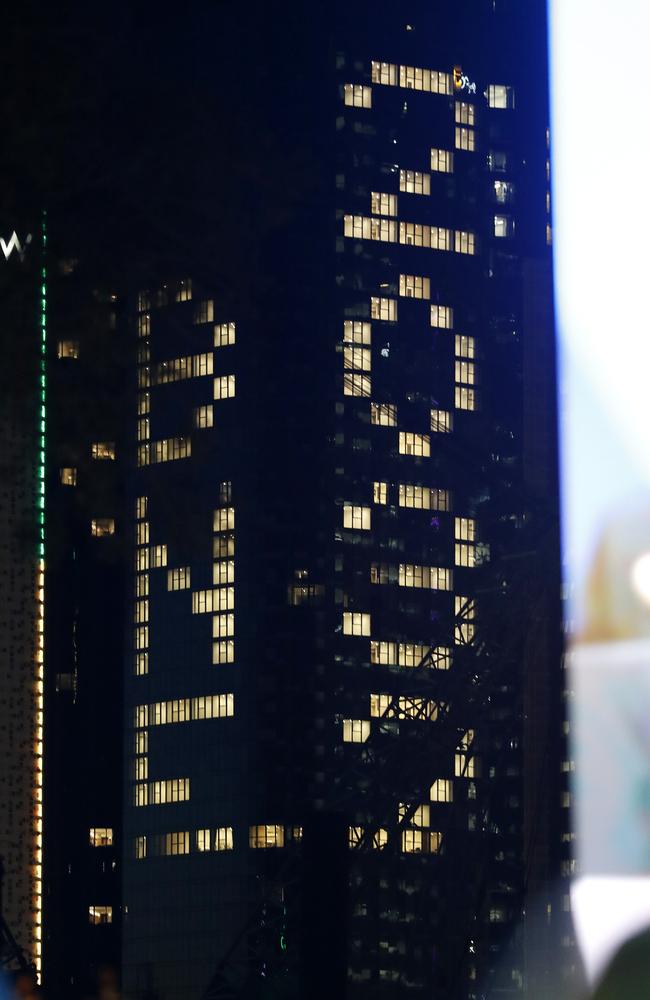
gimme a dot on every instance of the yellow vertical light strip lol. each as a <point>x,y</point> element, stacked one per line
<point>39,673</point>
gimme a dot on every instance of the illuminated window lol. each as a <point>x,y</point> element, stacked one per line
<point>179,578</point>
<point>141,587</point>
<point>414,234</point>
<point>384,73</point>
<point>414,287</point>
<point>223,545</point>
<point>497,162</point>
<point>141,664</point>
<point>465,139</point>
<point>383,414</point>
<point>359,358</point>
<point>464,398</point>
<point>266,836</point>
<point>465,766</point>
<point>144,325</point>
<point>223,651</point>
<point>141,612</point>
<point>142,533</point>
<point>383,309</point>
<point>144,403</point>
<point>203,840</point>
<point>141,507</point>
<point>101,836</point>
<point>172,790</point>
<point>141,637</point>
<point>184,290</point>
<point>504,192</point>
<point>356,730</point>
<point>100,914</point>
<point>213,706</point>
<point>430,80</point>
<point>356,623</point>
<point>423,497</point>
<point>464,242</point>
<point>383,204</point>
<point>442,790</point>
<point>103,449</point>
<point>465,555</point>
<point>144,301</point>
<point>158,554</point>
<point>355,517</point>
<point>223,626</point>
<point>465,372</point>
<point>465,529</point>
<point>504,226</point>
<point>361,227</point>
<point>427,577</point>
<point>500,96</point>
<point>355,332</point>
<point>224,335</point>
<point>357,385</point>
<point>442,160</point>
<point>101,526</point>
<point>140,848</point>
<point>204,416</point>
<point>223,840</point>
<point>224,519</point>
<point>355,95</point>
<point>144,432</point>
<point>380,492</point>
<point>219,599</point>
<point>442,317</point>
<point>464,114</point>
<point>167,450</point>
<point>141,768</point>
<point>442,421</point>
<point>224,387</point>
<point>68,349</point>
<point>172,844</point>
<point>141,560</point>
<point>204,311</point>
<point>414,182</point>
<point>414,444</point>
<point>202,364</point>
<point>465,347</point>
<point>68,477</point>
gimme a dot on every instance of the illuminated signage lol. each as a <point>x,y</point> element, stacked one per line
<point>462,81</point>
<point>14,244</point>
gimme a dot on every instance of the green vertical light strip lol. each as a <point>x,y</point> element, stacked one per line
<point>39,679</point>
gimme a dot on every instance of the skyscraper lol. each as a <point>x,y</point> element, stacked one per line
<point>315,450</point>
<point>338,476</point>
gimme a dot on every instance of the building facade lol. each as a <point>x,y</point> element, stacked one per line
<point>331,518</point>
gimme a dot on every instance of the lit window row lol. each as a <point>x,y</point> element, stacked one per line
<point>356,730</point>
<point>418,445</point>
<point>465,612</point>
<point>465,347</point>
<point>223,544</point>
<point>224,519</point>
<point>101,526</point>
<point>385,706</point>
<point>178,369</point>
<point>101,836</point>
<point>465,139</point>
<point>383,414</point>
<point>224,387</point>
<point>500,96</point>
<point>465,766</point>
<point>68,349</point>
<point>442,421</point>
<point>421,842</point>
<point>217,599</point>
<point>442,790</point>
<point>383,309</point>
<point>356,834</point>
<point>103,450</point>
<point>100,914</point>
<point>143,560</point>
<point>167,450</point>
<point>223,571</point>
<point>158,793</point>
<point>412,77</point>
<point>428,577</point>
<point>356,623</point>
<point>266,835</point>
<point>179,578</point>
<point>414,287</point>
<point>161,713</point>
<point>464,113</point>
<point>442,160</point>
<point>424,497</point>
<point>442,317</point>
<point>305,594</point>
<point>414,182</point>
<point>357,358</point>
<point>464,398</point>
<point>409,654</point>
<point>357,332</point>
<point>203,416</point>
<point>356,517</point>
<point>383,204</point>
<point>504,226</point>
<point>224,334</point>
<point>355,95</point>
<point>357,385</point>
<point>410,234</point>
